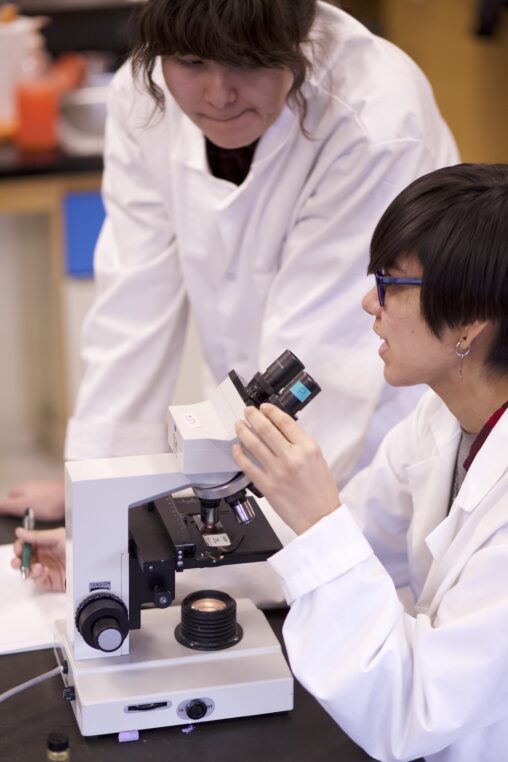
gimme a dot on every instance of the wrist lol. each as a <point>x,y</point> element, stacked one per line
<point>307,522</point>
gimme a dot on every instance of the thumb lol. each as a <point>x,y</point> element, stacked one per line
<point>34,536</point>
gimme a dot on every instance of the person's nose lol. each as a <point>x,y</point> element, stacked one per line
<point>220,88</point>
<point>370,303</point>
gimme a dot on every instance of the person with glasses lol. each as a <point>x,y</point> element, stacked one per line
<point>248,158</point>
<point>383,280</point>
<point>398,587</point>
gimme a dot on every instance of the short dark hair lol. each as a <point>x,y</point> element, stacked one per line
<point>242,33</point>
<point>455,222</point>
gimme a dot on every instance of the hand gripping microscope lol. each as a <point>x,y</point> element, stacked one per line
<point>132,661</point>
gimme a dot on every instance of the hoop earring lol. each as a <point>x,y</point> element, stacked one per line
<point>461,355</point>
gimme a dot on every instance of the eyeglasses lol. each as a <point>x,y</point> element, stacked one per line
<point>383,280</point>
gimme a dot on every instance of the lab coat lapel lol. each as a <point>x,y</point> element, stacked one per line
<point>487,468</point>
<point>473,518</point>
<point>429,534</point>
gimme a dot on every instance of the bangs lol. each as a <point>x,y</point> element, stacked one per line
<point>247,34</point>
<point>244,34</point>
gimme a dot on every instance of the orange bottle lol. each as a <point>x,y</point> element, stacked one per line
<point>38,102</point>
<point>37,105</point>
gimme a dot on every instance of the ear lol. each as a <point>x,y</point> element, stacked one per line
<point>472,331</point>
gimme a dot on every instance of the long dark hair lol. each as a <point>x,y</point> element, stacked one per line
<point>455,221</point>
<point>240,33</point>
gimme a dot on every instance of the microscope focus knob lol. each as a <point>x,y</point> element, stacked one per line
<point>162,598</point>
<point>103,622</point>
<point>107,634</point>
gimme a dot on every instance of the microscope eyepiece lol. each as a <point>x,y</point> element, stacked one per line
<point>297,394</point>
<point>284,383</point>
<point>278,374</point>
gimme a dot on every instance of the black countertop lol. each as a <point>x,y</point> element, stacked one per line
<point>306,733</point>
<point>18,164</point>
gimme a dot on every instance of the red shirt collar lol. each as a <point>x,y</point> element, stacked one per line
<point>482,436</point>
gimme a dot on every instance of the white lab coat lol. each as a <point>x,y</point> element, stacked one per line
<point>278,262</point>
<point>425,680</point>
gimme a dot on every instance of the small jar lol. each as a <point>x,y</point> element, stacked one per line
<point>58,749</point>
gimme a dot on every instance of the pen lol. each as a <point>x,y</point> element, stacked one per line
<point>28,523</point>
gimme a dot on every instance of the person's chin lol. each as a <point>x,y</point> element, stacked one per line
<point>232,134</point>
<point>394,378</point>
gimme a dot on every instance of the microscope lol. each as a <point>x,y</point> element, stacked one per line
<point>131,660</point>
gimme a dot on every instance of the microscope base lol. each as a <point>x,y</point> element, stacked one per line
<point>162,683</point>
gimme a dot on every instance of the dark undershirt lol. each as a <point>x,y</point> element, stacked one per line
<point>230,164</point>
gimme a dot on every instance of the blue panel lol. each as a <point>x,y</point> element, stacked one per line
<point>83,218</point>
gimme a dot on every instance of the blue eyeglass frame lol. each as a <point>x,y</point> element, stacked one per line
<point>383,280</point>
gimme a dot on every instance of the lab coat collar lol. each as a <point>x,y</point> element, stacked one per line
<point>487,468</point>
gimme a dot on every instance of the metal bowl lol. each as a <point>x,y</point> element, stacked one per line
<point>83,119</point>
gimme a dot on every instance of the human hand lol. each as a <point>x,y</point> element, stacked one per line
<point>47,567</point>
<point>45,498</point>
<point>290,469</point>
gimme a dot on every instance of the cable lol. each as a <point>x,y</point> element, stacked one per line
<point>34,681</point>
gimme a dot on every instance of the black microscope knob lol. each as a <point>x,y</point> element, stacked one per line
<point>161,597</point>
<point>103,622</point>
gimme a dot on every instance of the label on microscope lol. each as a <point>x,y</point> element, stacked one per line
<point>103,585</point>
<point>191,420</point>
<point>217,540</point>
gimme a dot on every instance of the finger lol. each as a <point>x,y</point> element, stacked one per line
<point>251,442</point>
<point>245,464</point>
<point>18,548</point>
<point>46,538</point>
<point>286,425</point>
<point>37,571</point>
<point>41,576</point>
<point>267,431</point>
<point>16,563</point>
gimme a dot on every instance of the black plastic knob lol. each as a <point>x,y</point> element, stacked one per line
<point>103,622</point>
<point>161,598</point>
<point>196,709</point>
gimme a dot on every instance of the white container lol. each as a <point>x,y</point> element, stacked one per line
<point>14,36</point>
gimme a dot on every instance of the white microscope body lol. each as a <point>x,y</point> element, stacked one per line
<point>118,681</point>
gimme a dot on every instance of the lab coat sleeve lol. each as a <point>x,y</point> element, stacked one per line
<point>133,336</point>
<point>314,302</point>
<point>401,686</point>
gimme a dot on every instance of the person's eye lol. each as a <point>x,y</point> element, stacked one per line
<point>190,62</point>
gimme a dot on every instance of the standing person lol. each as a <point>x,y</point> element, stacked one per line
<point>430,514</point>
<point>251,147</point>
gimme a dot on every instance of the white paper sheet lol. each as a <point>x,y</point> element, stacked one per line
<point>26,614</point>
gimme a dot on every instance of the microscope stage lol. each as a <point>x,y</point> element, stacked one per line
<point>162,683</point>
